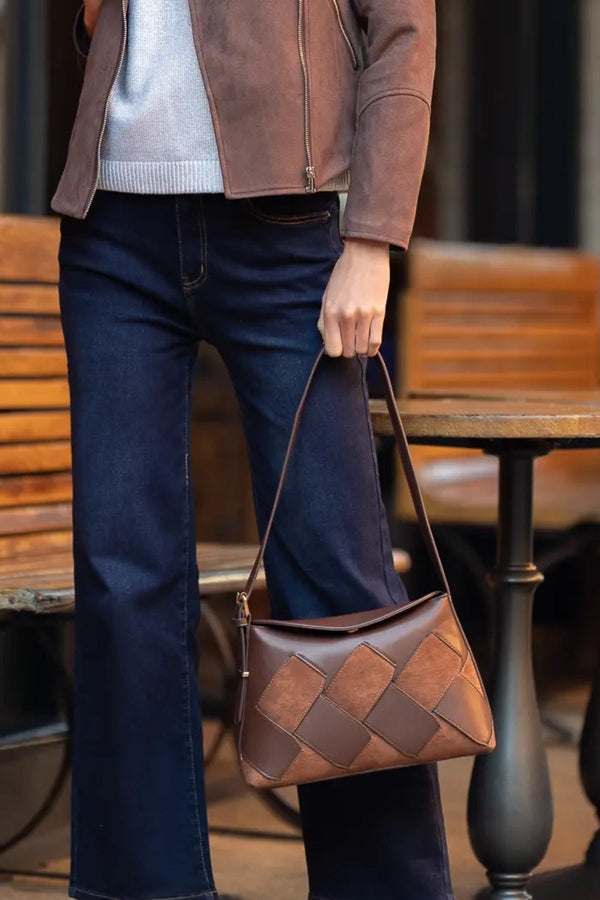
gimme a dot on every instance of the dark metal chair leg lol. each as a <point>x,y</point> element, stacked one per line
<point>589,763</point>
<point>510,799</point>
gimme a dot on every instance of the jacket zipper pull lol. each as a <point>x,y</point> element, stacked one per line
<point>310,180</point>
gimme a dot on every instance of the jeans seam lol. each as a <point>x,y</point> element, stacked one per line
<point>187,284</point>
<point>379,501</point>
<point>195,283</point>
<point>204,894</point>
<point>188,709</point>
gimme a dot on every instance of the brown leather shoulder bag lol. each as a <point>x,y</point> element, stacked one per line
<point>392,686</point>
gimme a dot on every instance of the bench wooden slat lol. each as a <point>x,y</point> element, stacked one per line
<point>27,298</point>
<point>31,361</point>
<point>30,331</point>
<point>540,312</point>
<point>50,579</point>
<point>20,490</point>
<point>33,569</point>
<point>19,427</point>
<point>43,456</point>
<point>20,544</point>
<point>478,267</point>
<point>36,393</point>
<point>28,249</point>
<point>455,381</point>
<point>450,330</point>
<point>26,519</point>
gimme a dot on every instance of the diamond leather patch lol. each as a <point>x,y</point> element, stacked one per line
<point>333,733</point>
<point>429,672</point>
<point>291,692</point>
<point>275,749</point>
<point>463,706</point>
<point>402,722</point>
<point>361,681</point>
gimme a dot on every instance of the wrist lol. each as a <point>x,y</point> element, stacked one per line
<point>366,247</point>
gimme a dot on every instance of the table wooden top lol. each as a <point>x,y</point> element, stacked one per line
<point>562,418</point>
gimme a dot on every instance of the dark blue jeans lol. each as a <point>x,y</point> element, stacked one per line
<point>143,281</point>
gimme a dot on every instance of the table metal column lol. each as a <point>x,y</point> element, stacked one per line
<point>510,800</point>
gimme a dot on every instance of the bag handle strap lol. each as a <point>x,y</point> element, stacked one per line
<point>407,465</point>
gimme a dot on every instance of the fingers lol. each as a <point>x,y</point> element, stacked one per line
<point>363,329</point>
<point>347,327</point>
<point>348,335</point>
<point>331,334</point>
<point>375,335</point>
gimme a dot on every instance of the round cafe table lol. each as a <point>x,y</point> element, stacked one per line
<point>510,798</point>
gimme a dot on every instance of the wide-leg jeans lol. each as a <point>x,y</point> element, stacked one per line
<point>144,280</point>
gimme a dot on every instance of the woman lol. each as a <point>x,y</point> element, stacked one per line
<point>200,202</point>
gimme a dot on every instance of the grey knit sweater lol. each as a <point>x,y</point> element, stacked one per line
<point>159,136</point>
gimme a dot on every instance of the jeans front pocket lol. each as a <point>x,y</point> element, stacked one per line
<point>293,209</point>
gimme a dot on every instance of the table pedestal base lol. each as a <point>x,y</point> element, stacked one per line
<point>510,800</point>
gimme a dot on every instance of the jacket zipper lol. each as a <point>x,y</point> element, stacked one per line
<point>124,4</point>
<point>345,34</point>
<point>311,175</point>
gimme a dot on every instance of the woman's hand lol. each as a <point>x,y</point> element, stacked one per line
<point>90,15</point>
<point>353,308</point>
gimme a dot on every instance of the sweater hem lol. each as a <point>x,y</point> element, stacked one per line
<point>161,177</point>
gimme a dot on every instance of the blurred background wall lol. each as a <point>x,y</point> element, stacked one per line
<point>515,152</point>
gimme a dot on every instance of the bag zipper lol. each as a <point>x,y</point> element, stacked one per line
<point>345,34</point>
<point>124,4</point>
<point>310,169</point>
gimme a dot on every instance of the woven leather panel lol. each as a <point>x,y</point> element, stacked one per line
<point>394,696</point>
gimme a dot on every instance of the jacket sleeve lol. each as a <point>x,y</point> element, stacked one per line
<point>80,36</point>
<point>393,118</point>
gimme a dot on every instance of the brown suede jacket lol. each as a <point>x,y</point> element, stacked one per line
<point>300,91</point>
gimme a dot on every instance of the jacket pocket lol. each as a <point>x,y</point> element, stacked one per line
<point>344,32</point>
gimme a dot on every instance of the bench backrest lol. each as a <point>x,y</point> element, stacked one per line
<point>35,479</point>
<point>480,318</point>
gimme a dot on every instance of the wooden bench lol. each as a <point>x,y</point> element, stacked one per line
<point>483,320</point>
